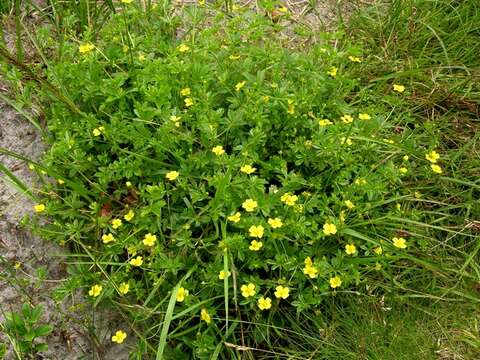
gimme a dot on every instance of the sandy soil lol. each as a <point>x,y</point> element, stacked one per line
<point>18,246</point>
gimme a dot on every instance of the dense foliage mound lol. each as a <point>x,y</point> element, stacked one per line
<point>218,185</point>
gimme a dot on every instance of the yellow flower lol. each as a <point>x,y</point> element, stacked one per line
<point>95,290</point>
<point>403,170</point>
<point>128,184</point>
<point>235,218</point>
<point>291,107</point>
<point>282,292</point>
<point>107,238</point>
<point>255,245</point>
<point>182,293</point>
<point>349,204</point>
<point>400,243</point>
<point>239,86</point>
<point>335,282</point>
<point>119,336</point>
<point>264,303</point>
<point>98,131</point>
<point>432,156</point>
<point>283,9</point>
<point>202,2</point>
<point>86,48</point>
<point>348,141</point>
<point>436,168</point>
<point>221,274</point>
<point>39,208</point>
<point>248,290</point>
<point>124,288</point>
<point>138,261</point>
<point>185,92</point>
<point>350,249</point>
<point>308,261</point>
<point>289,199</point>
<point>324,122</point>
<point>329,229</point>
<point>354,59</point>
<point>405,158</point>
<point>248,169</point>
<point>311,271</point>
<point>256,231</point>
<point>341,216</point>
<point>249,205</point>
<point>204,315</point>
<point>141,57</point>
<point>398,88</point>
<point>275,223</point>
<point>188,102</point>
<point>378,250</point>
<point>127,1</point>
<point>218,150</point>
<point>175,120</point>
<point>129,216</point>
<point>347,119</point>
<point>183,48</point>
<point>333,71</point>
<point>149,239</point>
<point>116,223</point>
<point>60,182</point>
<point>364,117</point>
<point>172,175</point>
<point>360,181</point>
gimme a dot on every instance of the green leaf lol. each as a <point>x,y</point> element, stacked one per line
<point>43,330</point>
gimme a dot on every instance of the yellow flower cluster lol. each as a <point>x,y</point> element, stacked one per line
<point>182,293</point>
<point>116,223</point>
<point>256,231</point>
<point>86,48</point>
<point>249,205</point>
<point>400,243</point>
<point>149,240</point>
<point>310,269</point>
<point>129,215</point>
<point>205,316</point>
<point>172,175</point>
<point>235,218</point>
<point>248,169</point>
<point>222,275</point>
<point>39,208</point>
<point>289,199</point>
<point>329,229</point>
<point>218,150</point>
<point>350,249</point>
<point>120,335</point>
<point>433,157</point>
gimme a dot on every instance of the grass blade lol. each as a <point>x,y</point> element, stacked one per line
<point>169,316</point>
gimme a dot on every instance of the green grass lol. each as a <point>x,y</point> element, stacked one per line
<point>393,329</point>
<point>420,303</point>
